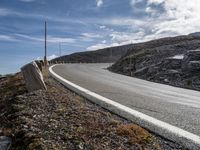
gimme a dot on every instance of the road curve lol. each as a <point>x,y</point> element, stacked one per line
<point>176,106</point>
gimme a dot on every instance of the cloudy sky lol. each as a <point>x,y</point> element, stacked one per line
<point>81,25</point>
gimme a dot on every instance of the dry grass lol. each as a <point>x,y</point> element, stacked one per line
<point>45,72</point>
<point>14,85</point>
<point>134,133</point>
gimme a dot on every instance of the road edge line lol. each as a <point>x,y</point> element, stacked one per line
<point>185,138</point>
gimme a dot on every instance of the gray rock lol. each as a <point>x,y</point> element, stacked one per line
<point>191,61</point>
<point>172,63</point>
<point>33,77</point>
<point>5,142</point>
<point>141,71</point>
<point>172,71</point>
<point>166,80</point>
<point>153,69</point>
<point>194,66</point>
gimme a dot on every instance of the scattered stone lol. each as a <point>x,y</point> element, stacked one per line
<point>141,71</point>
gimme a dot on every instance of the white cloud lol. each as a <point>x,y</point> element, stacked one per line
<point>119,38</point>
<point>31,38</point>
<point>104,41</point>
<point>27,0</point>
<point>155,1</point>
<point>4,12</point>
<point>102,27</point>
<point>91,35</point>
<point>50,39</point>
<point>37,16</point>
<point>180,17</point>
<point>51,57</point>
<point>88,37</point>
<point>7,38</point>
<point>101,46</point>
<point>96,47</point>
<point>10,12</point>
<point>134,2</point>
<point>168,18</point>
<point>122,21</point>
<point>99,3</point>
<point>38,58</point>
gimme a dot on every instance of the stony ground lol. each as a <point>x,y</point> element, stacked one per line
<point>60,119</point>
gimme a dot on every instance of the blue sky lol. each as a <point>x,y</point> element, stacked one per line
<point>82,25</point>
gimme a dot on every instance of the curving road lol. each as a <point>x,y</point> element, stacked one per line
<point>177,106</point>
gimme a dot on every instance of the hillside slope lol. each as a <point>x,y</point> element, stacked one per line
<point>174,61</point>
<point>105,55</point>
<point>58,119</point>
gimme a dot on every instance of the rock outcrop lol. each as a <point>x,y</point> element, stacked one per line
<point>174,61</point>
<point>191,61</point>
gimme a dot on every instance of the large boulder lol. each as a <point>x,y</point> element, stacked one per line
<point>33,77</point>
<point>141,71</point>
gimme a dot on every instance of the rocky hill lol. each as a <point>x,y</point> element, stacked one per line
<point>195,34</point>
<point>105,55</point>
<point>174,61</point>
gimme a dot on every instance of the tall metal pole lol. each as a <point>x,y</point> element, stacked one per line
<point>59,49</point>
<point>45,54</point>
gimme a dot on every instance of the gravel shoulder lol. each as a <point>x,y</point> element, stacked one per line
<point>60,119</point>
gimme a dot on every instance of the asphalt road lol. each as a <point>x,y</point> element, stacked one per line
<point>177,106</point>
